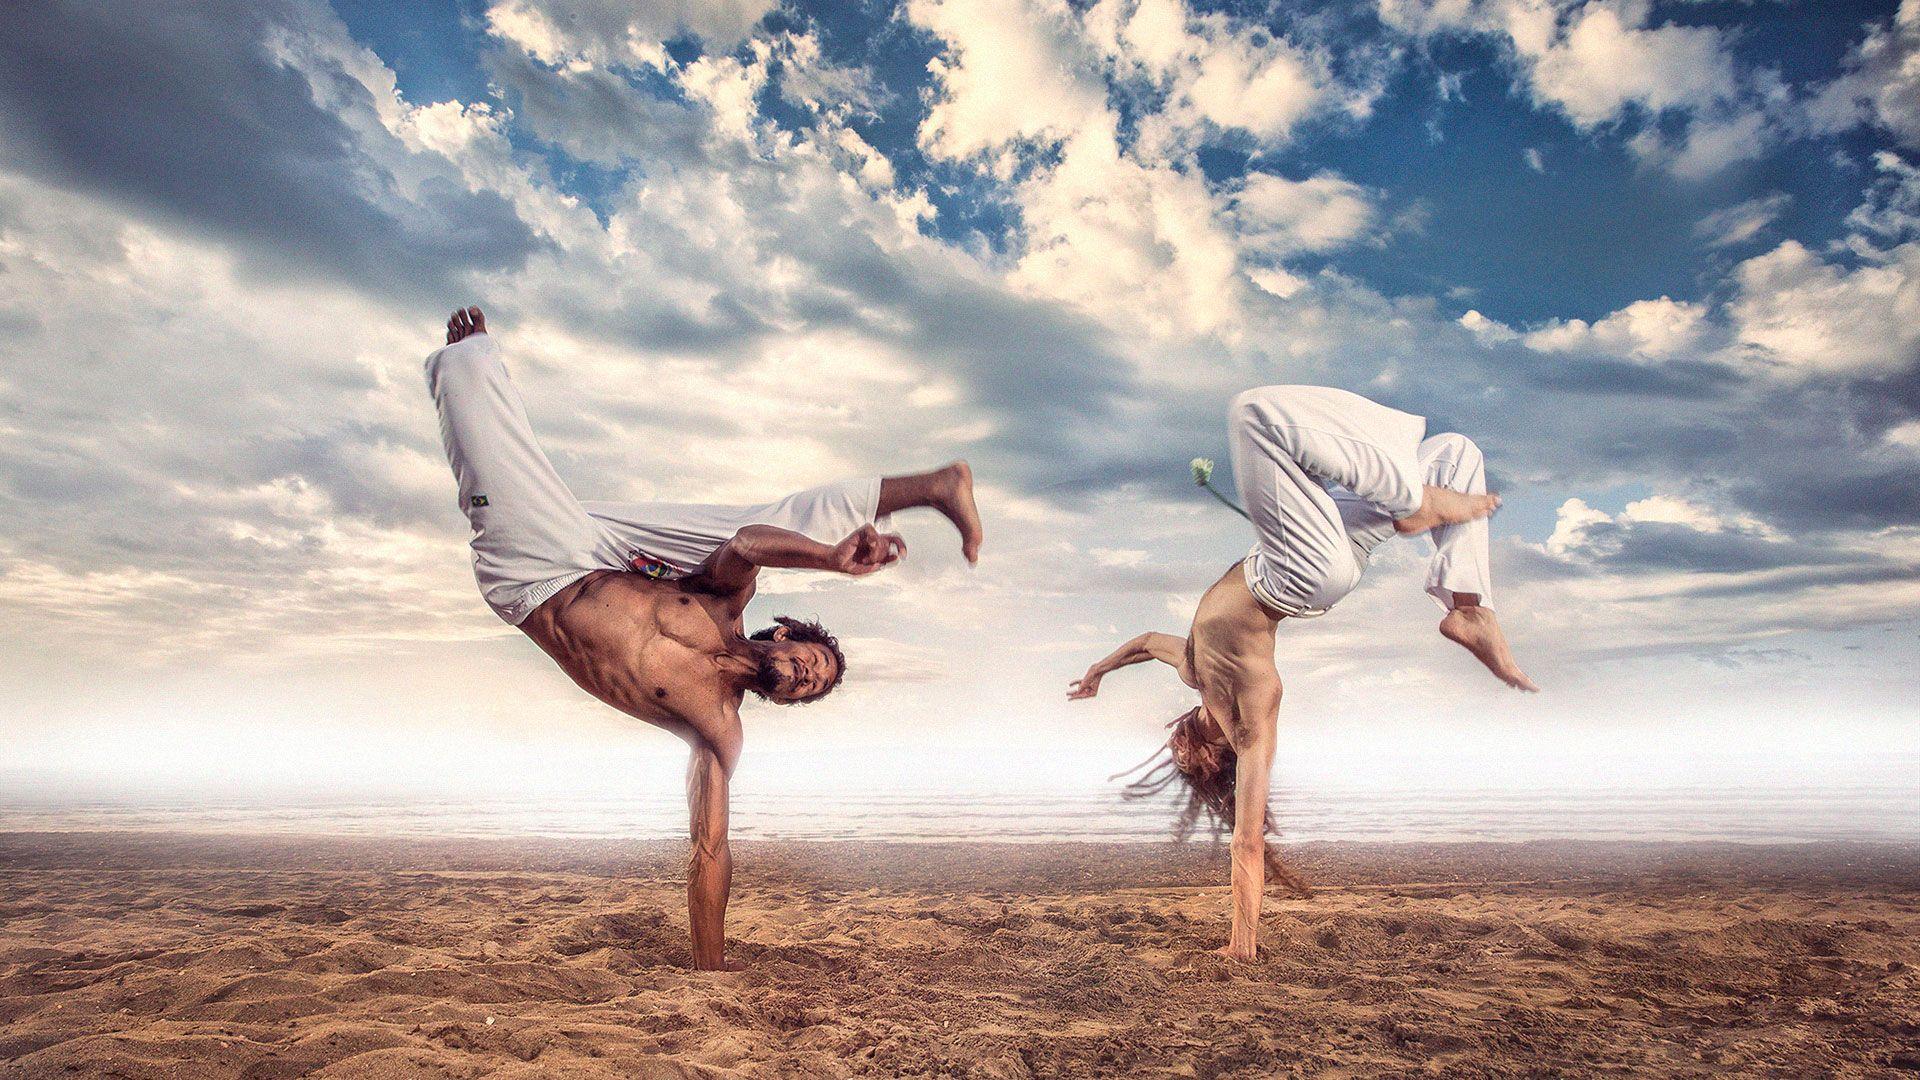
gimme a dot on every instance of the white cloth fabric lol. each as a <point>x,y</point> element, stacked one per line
<point>532,538</point>
<point>1324,474</point>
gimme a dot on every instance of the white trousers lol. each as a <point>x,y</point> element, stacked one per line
<point>1325,473</point>
<point>532,538</point>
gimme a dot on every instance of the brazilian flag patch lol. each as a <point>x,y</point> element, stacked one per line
<point>648,567</point>
<point>477,500</point>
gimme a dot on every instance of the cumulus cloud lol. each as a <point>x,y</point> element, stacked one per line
<point>1647,331</point>
<point>1011,70</point>
<point>1279,217</point>
<point>1789,312</point>
<point>1882,85</point>
<point>1605,63</point>
<point>1212,71</point>
<point>1602,58</point>
<point>1106,218</point>
<point>1809,315</point>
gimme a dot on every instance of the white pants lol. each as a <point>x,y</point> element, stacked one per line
<point>1325,473</point>
<point>532,538</point>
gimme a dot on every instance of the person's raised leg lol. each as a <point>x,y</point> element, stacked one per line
<point>1476,629</point>
<point>1358,444</point>
<point>528,529</point>
<point>1460,575</point>
<point>948,490</point>
<point>465,321</point>
<point>1440,506</point>
<point>1303,563</point>
<point>1454,491</point>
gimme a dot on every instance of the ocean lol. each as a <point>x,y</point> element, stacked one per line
<point>1870,807</point>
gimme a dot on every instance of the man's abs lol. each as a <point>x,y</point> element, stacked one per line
<point>644,647</point>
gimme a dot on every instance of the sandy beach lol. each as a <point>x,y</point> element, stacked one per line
<point>179,956</point>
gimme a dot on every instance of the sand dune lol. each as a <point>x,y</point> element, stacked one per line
<point>159,956</point>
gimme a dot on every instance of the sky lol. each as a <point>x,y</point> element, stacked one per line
<point>1660,260</point>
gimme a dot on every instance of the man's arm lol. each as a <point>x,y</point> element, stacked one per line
<point>1165,648</point>
<point>1252,779</point>
<point>732,570</point>
<point>710,866</point>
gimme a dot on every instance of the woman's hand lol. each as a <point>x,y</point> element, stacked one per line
<point>1086,685</point>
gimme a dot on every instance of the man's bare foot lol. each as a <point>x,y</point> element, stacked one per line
<point>465,321</point>
<point>1246,956</point>
<point>953,496</point>
<point>1445,506</point>
<point>1476,629</point>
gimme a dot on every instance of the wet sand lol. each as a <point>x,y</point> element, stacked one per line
<point>175,956</point>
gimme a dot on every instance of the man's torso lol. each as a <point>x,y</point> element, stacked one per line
<point>648,648</point>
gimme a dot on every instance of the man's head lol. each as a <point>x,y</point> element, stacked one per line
<point>802,662</point>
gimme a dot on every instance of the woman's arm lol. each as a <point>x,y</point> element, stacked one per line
<point>1249,852</point>
<point>1165,648</point>
<point>1252,779</point>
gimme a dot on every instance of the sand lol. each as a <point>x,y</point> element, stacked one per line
<point>173,956</point>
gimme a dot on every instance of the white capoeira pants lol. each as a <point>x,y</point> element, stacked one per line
<point>1325,473</point>
<point>532,538</point>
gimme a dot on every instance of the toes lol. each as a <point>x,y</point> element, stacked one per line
<point>477,319</point>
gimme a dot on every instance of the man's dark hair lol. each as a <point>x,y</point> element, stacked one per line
<point>1210,781</point>
<point>809,631</point>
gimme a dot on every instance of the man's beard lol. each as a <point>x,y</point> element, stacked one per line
<point>769,680</point>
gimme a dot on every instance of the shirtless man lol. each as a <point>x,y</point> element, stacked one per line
<point>641,603</point>
<point>1326,476</point>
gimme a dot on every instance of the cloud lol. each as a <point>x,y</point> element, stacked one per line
<point>1811,316</point>
<point>1733,225</point>
<point>1603,59</point>
<point>1891,211</point>
<point>1667,532</point>
<point>1645,331</point>
<point>273,148</point>
<point>1882,85</point>
<point>1277,217</point>
<point>1011,70</point>
<point>1213,72</point>
<point>592,33</point>
<point>1604,64</point>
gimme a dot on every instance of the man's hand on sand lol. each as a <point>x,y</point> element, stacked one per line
<point>1085,686</point>
<point>864,551</point>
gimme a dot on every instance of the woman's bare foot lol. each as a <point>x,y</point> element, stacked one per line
<point>1445,506</point>
<point>465,321</point>
<point>1476,629</point>
<point>953,496</point>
